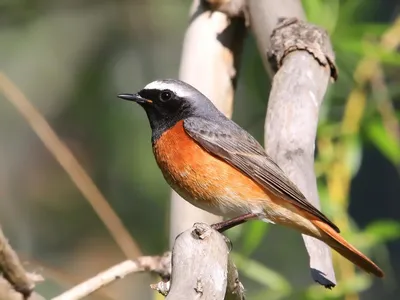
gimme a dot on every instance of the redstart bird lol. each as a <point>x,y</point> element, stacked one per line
<point>217,166</point>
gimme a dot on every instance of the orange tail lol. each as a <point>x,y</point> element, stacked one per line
<point>334,240</point>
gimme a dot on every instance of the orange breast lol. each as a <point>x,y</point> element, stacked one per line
<point>203,179</point>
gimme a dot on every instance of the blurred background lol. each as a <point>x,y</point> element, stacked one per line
<point>71,59</point>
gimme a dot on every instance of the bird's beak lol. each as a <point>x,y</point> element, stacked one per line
<point>135,97</point>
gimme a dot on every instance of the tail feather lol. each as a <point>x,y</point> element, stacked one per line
<point>334,240</point>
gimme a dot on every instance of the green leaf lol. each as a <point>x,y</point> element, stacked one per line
<point>383,230</point>
<point>261,274</point>
<point>359,30</point>
<point>384,141</point>
<point>351,8</point>
<point>252,236</point>
<point>377,233</point>
<point>353,153</point>
<point>364,48</point>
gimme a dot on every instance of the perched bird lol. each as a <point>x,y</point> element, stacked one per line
<point>217,166</point>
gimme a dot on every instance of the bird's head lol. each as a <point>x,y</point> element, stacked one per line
<point>169,101</point>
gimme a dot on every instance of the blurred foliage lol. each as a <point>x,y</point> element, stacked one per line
<point>71,58</point>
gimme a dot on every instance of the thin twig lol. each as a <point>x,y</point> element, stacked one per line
<point>12,269</point>
<point>70,164</point>
<point>61,277</point>
<point>158,264</point>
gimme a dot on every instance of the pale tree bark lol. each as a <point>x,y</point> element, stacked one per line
<point>201,268</point>
<point>305,63</point>
<point>211,48</point>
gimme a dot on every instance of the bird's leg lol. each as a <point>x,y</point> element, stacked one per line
<point>228,224</point>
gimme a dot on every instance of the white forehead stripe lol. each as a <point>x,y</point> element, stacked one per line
<point>158,85</point>
<point>178,89</point>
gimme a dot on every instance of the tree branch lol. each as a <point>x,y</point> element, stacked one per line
<point>210,55</point>
<point>12,270</point>
<point>7,292</point>
<point>157,264</point>
<point>17,283</point>
<point>201,268</point>
<point>303,56</point>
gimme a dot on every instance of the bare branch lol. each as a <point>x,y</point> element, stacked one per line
<point>17,283</point>
<point>305,60</point>
<point>70,164</point>
<point>292,108</point>
<point>210,54</point>
<point>12,270</point>
<point>60,276</point>
<point>157,264</point>
<point>7,292</point>
<point>201,268</point>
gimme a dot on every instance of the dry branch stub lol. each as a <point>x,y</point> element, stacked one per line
<point>201,268</point>
<point>292,34</point>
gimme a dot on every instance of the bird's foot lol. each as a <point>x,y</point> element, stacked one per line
<point>228,224</point>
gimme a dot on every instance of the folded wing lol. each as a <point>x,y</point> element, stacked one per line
<point>238,148</point>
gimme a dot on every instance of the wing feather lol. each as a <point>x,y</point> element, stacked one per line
<point>241,150</point>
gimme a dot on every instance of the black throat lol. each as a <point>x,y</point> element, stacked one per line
<point>160,123</point>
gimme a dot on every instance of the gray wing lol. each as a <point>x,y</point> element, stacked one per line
<point>238,148</point>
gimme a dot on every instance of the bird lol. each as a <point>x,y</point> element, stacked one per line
<point>217,166</point>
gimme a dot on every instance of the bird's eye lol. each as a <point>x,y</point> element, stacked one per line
<point>165,95</point>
